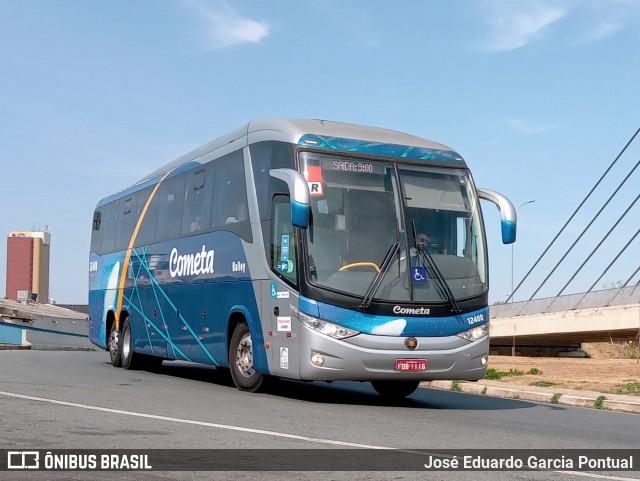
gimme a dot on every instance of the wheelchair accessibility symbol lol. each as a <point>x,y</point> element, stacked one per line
<point>419,274</point>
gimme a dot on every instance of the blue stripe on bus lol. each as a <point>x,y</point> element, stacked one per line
<point>418,326</point>
<point>177,328</point>
<point>377,148</point>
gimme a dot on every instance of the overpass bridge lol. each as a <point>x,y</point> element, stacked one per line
<point>560,324</point>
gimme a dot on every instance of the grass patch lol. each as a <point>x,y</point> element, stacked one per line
<point>543,383</point>
<point>456,386</point>
<point>555,399</point>
<point>599,404</point>
<point>494,374</point>
<point>629,388</point>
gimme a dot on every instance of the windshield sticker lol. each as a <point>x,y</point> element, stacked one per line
<point>314,179</point>
<point>284,267</point>
<point>419,274</point>
<point>284,254</point>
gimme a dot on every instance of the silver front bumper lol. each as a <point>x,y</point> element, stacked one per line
<point>367,357</point>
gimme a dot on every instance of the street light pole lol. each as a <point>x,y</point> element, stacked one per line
<point>524,203</point>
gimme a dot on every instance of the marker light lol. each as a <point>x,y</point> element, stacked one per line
<point>475,333</point>
<point>317,359</point>
<point>327,328</point>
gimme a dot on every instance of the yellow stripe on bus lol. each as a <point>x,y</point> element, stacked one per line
<point>127,257</point>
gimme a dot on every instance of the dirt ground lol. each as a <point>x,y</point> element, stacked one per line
<point>618,376</point>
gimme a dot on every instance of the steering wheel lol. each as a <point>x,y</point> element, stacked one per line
<point>359,264</point>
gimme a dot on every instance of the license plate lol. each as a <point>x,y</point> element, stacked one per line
<point>411,365</point>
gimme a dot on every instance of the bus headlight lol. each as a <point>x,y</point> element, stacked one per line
<point>475,333</point>
<point>327,328</point>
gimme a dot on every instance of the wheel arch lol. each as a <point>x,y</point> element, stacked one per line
<point>239,314</point>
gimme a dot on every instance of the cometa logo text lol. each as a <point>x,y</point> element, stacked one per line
<point>191,264</point>
<point>415,311</point>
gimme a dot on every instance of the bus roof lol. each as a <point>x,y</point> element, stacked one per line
<point>316,133</point>
<point>312,132</point>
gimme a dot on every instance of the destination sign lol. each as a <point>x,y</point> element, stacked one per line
<point>354,166</point>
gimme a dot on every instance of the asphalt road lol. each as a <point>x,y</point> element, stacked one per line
<point>77,400</point>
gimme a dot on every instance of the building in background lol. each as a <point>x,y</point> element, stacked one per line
<point>28,266</point>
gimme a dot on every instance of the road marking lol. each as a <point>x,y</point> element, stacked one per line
<point>255,431</point>
<point>596,476</point>
<point>197,423</point>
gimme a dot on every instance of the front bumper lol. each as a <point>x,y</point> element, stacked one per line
<point>367,357</point>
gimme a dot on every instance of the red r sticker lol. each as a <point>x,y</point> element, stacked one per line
<point>314,180</point>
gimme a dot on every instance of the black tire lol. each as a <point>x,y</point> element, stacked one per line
<point>113,346</point>
<point>244,376</point>
<point>130,360</point>
<point>395,389</point>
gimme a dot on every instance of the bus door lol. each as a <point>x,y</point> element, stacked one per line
<point>281,294</point>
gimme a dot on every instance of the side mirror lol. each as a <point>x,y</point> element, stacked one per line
<point>299,191</point>
<point>508,216</point>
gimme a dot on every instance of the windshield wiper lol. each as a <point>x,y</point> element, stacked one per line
<point>377,280</point>
<point>441,282</point>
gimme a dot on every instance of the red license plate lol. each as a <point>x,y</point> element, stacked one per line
<point>411,365</point>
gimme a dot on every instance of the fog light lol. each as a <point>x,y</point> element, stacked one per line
<point>317,359</point>
<point>483,360</point>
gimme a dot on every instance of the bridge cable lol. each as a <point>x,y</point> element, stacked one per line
<point>573,215</point>
<point>593,252</point>
<point>585,229</point>
<point>627,283</point>
<point>608,267</point>
<point>598,247</point>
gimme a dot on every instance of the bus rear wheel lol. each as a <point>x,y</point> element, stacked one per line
<point>244,375</point>
<point>113,345</point>
<point>395,389</point>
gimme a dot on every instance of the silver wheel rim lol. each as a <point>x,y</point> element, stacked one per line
<point>113,343</point>
<point>126,343</point>
<point>244,356</point>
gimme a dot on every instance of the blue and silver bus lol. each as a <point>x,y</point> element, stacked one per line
<point>300,249</point>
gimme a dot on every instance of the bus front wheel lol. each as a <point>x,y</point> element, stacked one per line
<point>395,389</point>
<point>244,376</point>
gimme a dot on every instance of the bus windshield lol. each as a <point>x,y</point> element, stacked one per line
<point>361,208</point>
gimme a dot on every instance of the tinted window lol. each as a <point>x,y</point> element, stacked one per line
<point>266,156</point>
<point>127,219</point>
<point>109,225</point>
<point>283,245</point>
<point>197,202</point>
<point>96,233</point>
<point>230,200</point>
<point>147,232</point>
<point>170,202</point>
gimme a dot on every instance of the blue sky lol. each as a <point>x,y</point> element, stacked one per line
<point>538,97</point>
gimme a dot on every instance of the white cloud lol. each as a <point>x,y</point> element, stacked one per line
<point>525,127</point>
<point>226,27</point>
<point>603,30</point>
<point>516,24</point>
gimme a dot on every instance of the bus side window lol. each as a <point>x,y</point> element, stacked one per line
<point>147,233</point>
<point>170,200</point>
<point>230,204</point>
<point>127,219</point>
<point>196,215</point>
<point>109,226</point>
<point>283,245</point>
<point>96,233</point>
